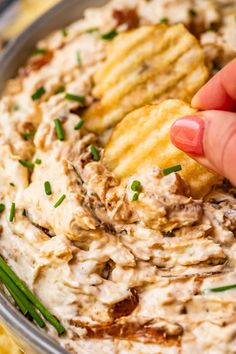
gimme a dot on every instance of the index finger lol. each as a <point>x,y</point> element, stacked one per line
<point>220,92</point>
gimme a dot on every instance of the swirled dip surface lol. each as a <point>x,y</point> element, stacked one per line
<point>123,276</point>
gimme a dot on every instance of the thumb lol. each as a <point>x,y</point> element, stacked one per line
<point>210,138</point>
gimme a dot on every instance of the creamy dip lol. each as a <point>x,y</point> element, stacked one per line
<point>122,276</point>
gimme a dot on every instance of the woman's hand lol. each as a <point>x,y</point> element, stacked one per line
<point>212,140</point>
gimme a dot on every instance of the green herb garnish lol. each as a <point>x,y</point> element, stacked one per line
<point>136,186</point>
<point>95,153</point>
<point>79,125</point>
<point>27,299</point>
<point>109,35</point>
<point>2,207</point>
<point>64,32</point>
<point>92,30</point>
<point>12,184</point>
<point>78,57</point>
<point>26,164</point>
<point>47,188</point>
<point>41,51</point>
<point>59,129</point>
<point>28,134</point>
<point>60,200</point>
<point>38,94</point>
<point>16,107</point>
<point>60,89</point>
<point>222,288</point>
<point>22,302</point>
<point>14,291</point>
<point>38,162</point>
<point>12,212</point>
<point>76,98</point>
<point>172,169</point>
<point>135,196</point>
<point>164,20</point>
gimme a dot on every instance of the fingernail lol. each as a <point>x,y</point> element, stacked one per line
<point>187,135</point>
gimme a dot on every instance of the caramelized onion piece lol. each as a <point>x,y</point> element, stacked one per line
<point>126,16</point>
<point>124,307</point>
<point>155,331</point>
<point>36,63</point>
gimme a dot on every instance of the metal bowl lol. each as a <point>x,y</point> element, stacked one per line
<point>27,335</point>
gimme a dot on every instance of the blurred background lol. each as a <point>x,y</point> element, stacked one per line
<point>15,15</point>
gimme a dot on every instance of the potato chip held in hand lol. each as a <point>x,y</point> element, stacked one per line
<point>141,141</point>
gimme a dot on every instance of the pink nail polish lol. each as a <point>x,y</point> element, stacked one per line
<point>187,135</point>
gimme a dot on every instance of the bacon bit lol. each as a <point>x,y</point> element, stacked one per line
<point>124,307</point>
<point>35,63</point>
<point>147,332</point>
<point>126,16</point>
<point>27,126</point>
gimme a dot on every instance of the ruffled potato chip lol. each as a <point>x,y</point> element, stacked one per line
<point>142,140</point>
<point>149,64</point>
<point>7,346</point>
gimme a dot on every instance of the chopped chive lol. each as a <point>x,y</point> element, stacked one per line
<point>76,98</point>
<point>64,32</point>
<point>169,170</point>
<point>136,186</point>
<point>2,207</point>
<point>26,164</point>
<point>109,35</point>
<point>13,291</point>
<point>38,162</point>
<point>60,89</point>
<point>28,134</point>
<point>24,212</point>
<point>31,297</point>
<point>59,129</point>
<point>223,288</point>
<point>60,200</point>
<point>164,20</point>
<point>16,107</point>
<point>12,212</point>
<point>22,301</point>
<point>92,30</point>
<point>192,12</point>
<point>135,196</point>
<point>95,153</point>
<point>12,184</point>
<point>38,94</point>
<point>79,125</point>
<point>47,188</point>
<point>78,57</point>
<point>40,51</point>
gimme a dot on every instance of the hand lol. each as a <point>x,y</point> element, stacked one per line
<point>209,136</point>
